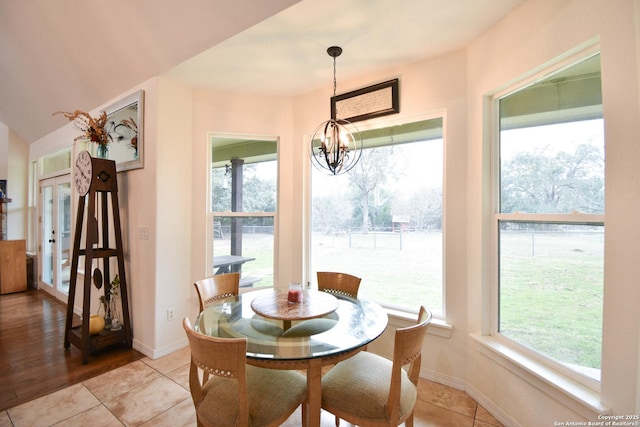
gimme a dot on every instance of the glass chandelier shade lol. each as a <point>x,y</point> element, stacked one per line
<point>336,145</point>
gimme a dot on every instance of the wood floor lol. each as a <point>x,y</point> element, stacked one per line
<point>33,360</point>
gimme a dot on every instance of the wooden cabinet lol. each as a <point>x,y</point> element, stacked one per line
<point>13,266</point>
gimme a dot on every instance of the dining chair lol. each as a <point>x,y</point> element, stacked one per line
<point>370,390</point>
<point>221,286</point>
<point>228,392</point>
<point>338,283</point>
<point>217,287</point>
<point>333,283</point>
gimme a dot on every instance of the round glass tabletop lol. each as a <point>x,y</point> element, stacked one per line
<point>354,323</point>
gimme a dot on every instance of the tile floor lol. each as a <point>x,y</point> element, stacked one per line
<point>156,393</point>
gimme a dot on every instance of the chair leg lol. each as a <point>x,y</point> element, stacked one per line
<point>409,421</point>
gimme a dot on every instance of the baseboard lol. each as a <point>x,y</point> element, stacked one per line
<point>159,352</point>
<point>492,408</point>
<point>483,400</point>
<point>443,379</point>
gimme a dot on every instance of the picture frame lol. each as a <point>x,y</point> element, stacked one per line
<point>3,189</point>
<point>362,104</point>
<point>127,138</point>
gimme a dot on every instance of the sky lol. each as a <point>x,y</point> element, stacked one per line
<point>557,137</point>
<point>420,162</point>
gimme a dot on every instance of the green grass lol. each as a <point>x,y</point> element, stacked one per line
<point>551,285</point>
<point>397,269</point>
<point>551,291</point>
<point>254,245</point>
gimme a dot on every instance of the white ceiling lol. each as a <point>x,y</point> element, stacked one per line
<point>78,54</point>
<point>286,54</point>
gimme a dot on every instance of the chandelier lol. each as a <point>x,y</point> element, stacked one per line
<point>336,145</point>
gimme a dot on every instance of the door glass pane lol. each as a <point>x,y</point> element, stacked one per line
<point>64,235</point>
<point>47,234</point>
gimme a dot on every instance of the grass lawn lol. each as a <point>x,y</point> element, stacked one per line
<point>551,291</point>
<point>397,269</point>
<point>551,284</point>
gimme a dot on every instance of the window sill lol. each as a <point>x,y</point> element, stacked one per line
<point>572,394</point>
<point>437,327</point>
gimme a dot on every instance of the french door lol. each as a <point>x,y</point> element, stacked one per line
<point>54,244</point>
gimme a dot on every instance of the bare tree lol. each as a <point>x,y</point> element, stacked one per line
<point>369,174</point>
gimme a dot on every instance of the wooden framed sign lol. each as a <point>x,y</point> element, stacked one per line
<point>366,103</point>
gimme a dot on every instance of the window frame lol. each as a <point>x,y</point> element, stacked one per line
<point>440,326</point>
<point>211,215</point>
<point>577,384</point>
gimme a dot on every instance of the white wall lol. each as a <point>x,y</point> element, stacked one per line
<point>17,186</point>
<point>537,33</point>
<point>14,152</point>
<point>242,114</point>
<point>173,211</point>
<point>4,151</point>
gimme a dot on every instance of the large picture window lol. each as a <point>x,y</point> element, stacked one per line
<point>244,197</point>
<point>383,220</point>
<point>549,218</point>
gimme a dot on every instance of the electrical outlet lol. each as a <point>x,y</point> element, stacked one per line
<point>170,314</point>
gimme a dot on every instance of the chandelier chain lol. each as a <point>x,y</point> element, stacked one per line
<point>336,145</point>
<point>334,76</point>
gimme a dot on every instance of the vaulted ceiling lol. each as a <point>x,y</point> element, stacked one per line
<point>79,54</point>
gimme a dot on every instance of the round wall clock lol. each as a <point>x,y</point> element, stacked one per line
<point>83,173</point>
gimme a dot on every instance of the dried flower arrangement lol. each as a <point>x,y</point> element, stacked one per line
<point>93,129</point>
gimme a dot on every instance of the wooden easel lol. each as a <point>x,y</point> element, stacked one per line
<point>103,183</point>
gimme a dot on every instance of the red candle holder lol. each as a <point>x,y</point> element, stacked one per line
<point>295,293</point>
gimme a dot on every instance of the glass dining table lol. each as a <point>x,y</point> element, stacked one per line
<point>307,344</point>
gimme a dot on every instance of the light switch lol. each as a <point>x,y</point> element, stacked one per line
<point>143,233</point>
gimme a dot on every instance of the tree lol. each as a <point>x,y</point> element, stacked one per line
<point>425,206</point>
<point>259,192</point>
<point>367,175</point>
<point>220,192</point>
<point>331,214</point>
<point>541,182</point>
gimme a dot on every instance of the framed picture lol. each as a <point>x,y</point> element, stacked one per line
<point>363,104</point>
<point>125,125</point>
<point>3,189</point>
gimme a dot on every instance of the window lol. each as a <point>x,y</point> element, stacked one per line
<point>244,198</point>
<point>383,220</point>
<point>549,218</point>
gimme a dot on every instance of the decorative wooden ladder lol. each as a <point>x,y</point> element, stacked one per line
<point>103,182</point>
